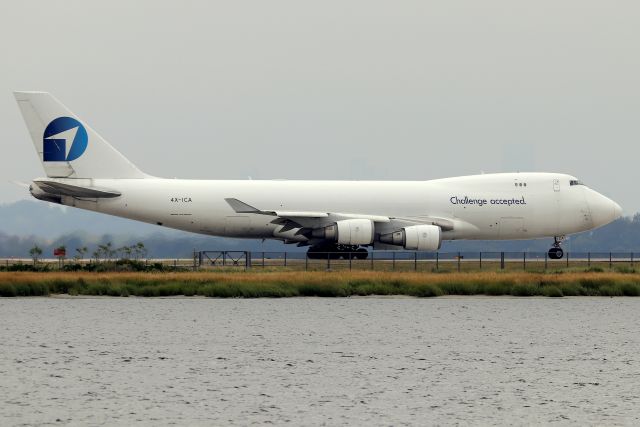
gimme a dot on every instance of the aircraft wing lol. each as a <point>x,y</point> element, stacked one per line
<point>313,219</point>
<point>241,207</point>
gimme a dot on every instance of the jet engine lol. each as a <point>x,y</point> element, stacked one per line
<point>347,232</point>
<point>415,237</point>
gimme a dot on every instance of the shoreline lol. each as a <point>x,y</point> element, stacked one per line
<point>356,297</point>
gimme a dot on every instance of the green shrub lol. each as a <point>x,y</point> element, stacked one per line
<point>425,290</point>
<point>459,288</point>
<point>215,290</point>
<point>189,290</point>
<point>611,291</point>
<point>375,289</point>
<point>7,290</point>
<point>525,290</point>
<point>630,289</point>
<point>322,290</point>
<point>501,287</point>
<point>96,288</point>
<point>59,286</point>
<point>571,289</point>
<point>552,291</point>
<point>596,282</point>
<point>23,289</point>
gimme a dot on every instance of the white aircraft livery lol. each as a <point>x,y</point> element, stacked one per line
<point>84,171</point>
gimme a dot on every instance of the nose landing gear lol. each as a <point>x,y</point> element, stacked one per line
<point>556,251</point>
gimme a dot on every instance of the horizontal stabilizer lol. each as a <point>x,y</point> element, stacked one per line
<point>54,188</point>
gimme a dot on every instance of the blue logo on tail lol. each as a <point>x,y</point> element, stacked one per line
<point>64,140</point>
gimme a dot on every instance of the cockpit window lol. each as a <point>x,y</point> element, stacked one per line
<point>575,182</point>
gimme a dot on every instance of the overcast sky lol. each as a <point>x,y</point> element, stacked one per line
<point>336,89</point>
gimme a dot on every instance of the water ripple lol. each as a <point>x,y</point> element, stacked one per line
<point>376,361</point>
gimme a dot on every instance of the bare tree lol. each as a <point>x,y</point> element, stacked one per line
<point>111,251</point>
<point>125,252</point>
<point>107,251</point>
<point>35,253</point>
<point>80,253</point>
<point>140,250</point>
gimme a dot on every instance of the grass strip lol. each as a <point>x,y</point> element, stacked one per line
<point>318,284</point>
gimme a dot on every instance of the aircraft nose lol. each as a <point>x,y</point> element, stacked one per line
<point>603,210</point>
<point>617,210</point>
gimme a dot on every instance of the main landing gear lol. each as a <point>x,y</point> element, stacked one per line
<point>556,251</point>
<point>333,251</point>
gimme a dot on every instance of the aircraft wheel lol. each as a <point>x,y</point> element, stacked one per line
<point>556,253</point>
<point>361,253</point>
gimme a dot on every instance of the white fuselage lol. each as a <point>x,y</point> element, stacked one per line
<point>490,206</point>
<point>85,171</point>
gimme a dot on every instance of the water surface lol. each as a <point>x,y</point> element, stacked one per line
<point>381,361</point>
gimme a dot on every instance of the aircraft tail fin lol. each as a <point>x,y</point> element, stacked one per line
<point>67,146</point>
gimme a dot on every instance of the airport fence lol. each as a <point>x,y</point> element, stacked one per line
<point>375,261</point>
<point>415,261</point>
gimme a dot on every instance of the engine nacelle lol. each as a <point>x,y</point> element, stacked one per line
<point>348,232</point>
<point>415,238</point>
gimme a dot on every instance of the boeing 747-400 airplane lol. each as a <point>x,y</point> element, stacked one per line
<point>84,171</point>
